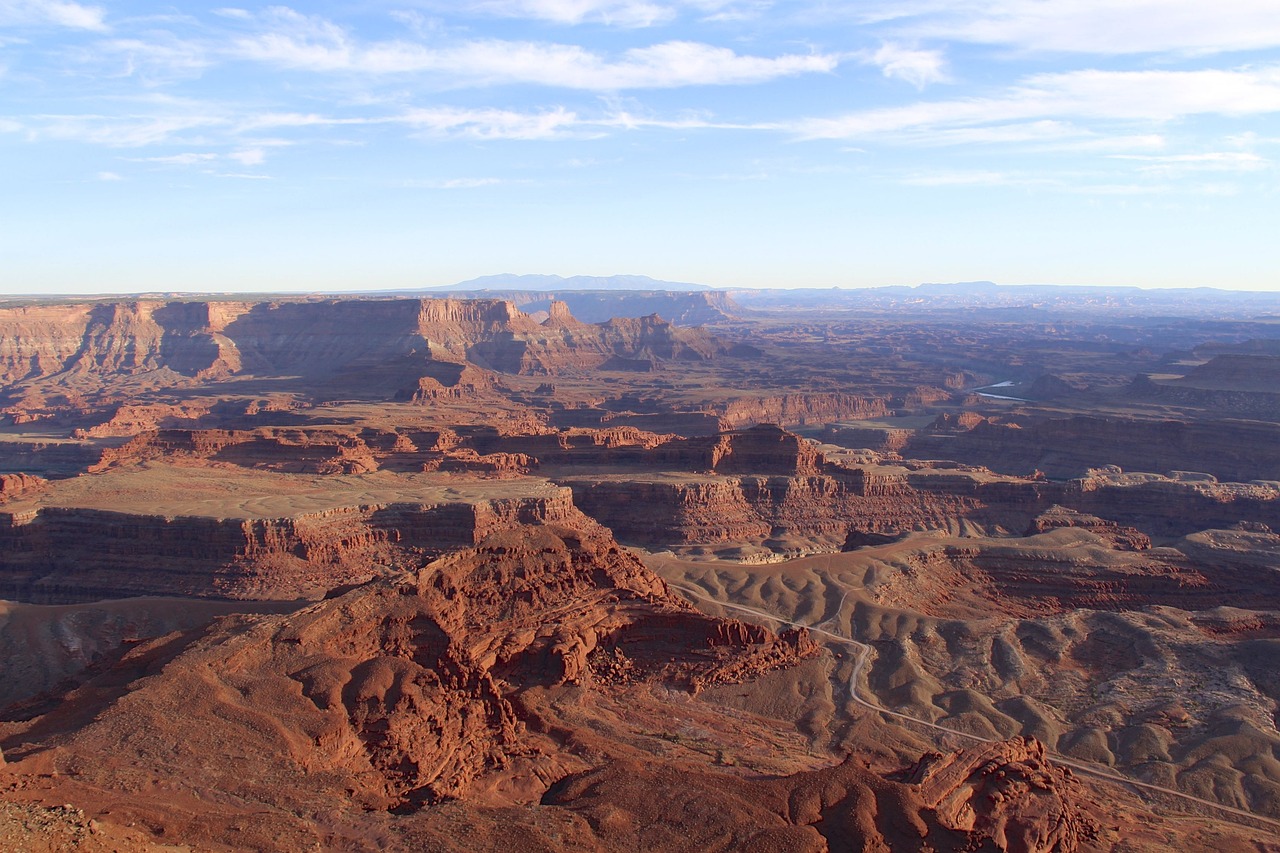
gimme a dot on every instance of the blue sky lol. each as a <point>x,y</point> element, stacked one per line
<point>787,143</point>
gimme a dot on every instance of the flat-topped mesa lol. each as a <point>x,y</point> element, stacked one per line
<point>765,449</point>
<point>1236,450</point>
<point>121,338</point>
<point>798,409</point>
<point>564,345</point>
<point>1238,371</point>
<point>459,323</point>
<point>69,553</point>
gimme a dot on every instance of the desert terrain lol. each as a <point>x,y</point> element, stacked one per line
<point>944,568</point>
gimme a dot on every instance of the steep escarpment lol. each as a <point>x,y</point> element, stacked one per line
<point>63,552</point>
<point>1068,447</point>
<point>771,488</point>
<point>116,339</point>
<point>84,361</point>
<point>784,514</point>
<point>799,409</point>
<point>564,344</point>
<point>594,306</point>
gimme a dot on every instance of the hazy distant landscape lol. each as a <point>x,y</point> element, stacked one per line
<point>998,562</point>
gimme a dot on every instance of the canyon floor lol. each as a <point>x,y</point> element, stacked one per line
<point>962,569</point>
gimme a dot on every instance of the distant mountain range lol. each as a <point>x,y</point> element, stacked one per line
<point>512,281</point>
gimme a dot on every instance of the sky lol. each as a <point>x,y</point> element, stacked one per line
<point>737,143</point>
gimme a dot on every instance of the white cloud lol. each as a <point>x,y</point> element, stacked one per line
<point>622,13</point>
<point>159,58</point>
<point>918,67</point>
<point>493,124</point>
<point>1125,96</point>
<point>130,131</point>
<point>109,176</point>
<point>315,44</point>
<point>249,156</point>
<point>189,158</point>
<point>1211,161</point>
<point>243,156</point>
<point>1093,26</point>
<point>62,13</point>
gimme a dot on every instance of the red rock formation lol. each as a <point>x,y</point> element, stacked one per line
<point>761,450</point>
<point>1017,803</point>
<point>468,382</point>
<point>798,409</point>
<point>56,554</point>
<point>1120,537</point>
<point>1068,447</point>
<point>19,485</point>
<point>406,691</point>
<point>881,440</point>
<point>1007,795</point>
<point>130,420</point>
<point>468,460</point>
<point>683,309</point>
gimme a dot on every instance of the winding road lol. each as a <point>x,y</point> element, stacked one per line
<point>864,653</point>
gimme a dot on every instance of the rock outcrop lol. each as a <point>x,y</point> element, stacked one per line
<point>51,554</point>
<point>1120,537</point>
<point>1069,447</point>
<point>19,485</point>
<point>403,692</point>
<point>420,349</point>
<point>1007,795</point>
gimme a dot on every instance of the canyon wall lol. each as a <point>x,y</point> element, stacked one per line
<point>1068,447</point>
<point>69,554</point>
<point>190,341</point>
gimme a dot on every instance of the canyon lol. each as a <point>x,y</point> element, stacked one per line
<point>547,571</point>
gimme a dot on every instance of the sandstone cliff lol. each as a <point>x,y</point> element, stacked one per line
<point>51,554</point>
<point>1068,447</point>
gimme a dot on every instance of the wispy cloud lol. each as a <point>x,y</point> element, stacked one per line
<point>298,41</point>
<point>493,124</point>
<point>457,183</point>
<point>160,57</point>
<point>1091,26</point>
<point>1124,96</point>
<point>189,158</point>
<point>623,13</point>
<point>620,13</point>
<point>58,13</point>
<point>127,131</point>
<point>1209,161</point>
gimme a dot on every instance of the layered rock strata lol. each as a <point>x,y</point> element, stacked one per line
<point>58,554</point>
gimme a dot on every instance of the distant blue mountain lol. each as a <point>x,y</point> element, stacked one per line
<point>512,281</point>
